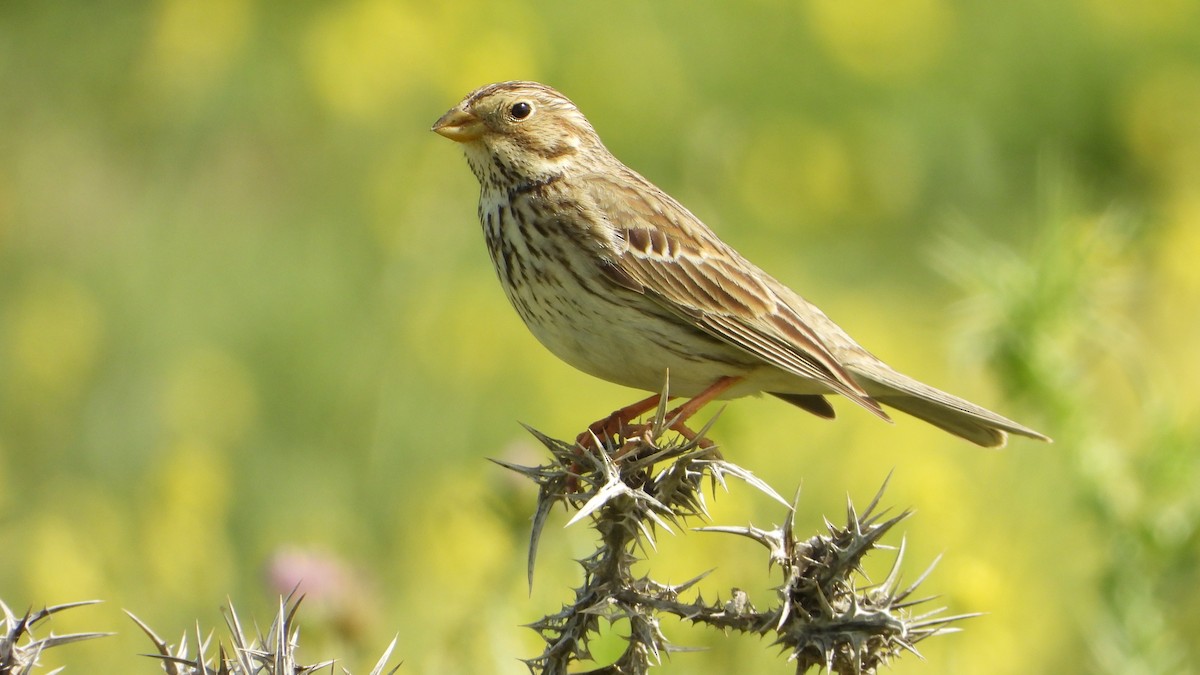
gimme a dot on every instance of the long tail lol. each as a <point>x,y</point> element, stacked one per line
<point>951,413</point>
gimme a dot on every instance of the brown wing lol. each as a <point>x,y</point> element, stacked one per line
<point>665,252</point>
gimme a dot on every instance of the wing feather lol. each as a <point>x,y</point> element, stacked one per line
<point>676,260</point>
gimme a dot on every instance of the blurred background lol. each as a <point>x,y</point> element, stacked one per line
<point>249,333</point>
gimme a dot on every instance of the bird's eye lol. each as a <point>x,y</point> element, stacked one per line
<point>520,110</point>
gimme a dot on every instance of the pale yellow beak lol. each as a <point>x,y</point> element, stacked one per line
<point>459,125</point>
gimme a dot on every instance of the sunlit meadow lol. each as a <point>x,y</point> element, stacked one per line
<point>250,337</point>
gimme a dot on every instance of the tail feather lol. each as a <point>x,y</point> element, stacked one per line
<point>813,403</point>
<point>946,411</point>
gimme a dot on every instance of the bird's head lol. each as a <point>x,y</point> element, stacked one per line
<point>520,132</point>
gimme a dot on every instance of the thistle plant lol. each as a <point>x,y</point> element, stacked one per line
<point>271,654</point>
<point>825,613</point>
<point>20,649</point>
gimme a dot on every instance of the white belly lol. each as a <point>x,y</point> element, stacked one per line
<point>607,331</point>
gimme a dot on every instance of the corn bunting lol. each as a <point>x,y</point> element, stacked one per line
<point>621,281</point>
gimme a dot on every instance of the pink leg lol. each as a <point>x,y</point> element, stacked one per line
<point>618,421</point>
<point>611,426</point>
<point>679,416</point>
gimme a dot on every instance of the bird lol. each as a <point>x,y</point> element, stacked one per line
<point>618,279</point>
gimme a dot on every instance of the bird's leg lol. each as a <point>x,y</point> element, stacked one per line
<point>594,437</point>
<point>677,418</point>
<point>617,422</point>
<point>611,426</point>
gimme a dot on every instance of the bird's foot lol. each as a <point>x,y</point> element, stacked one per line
<point>601,435</point>
<point>603,432</point>
<point>614,424</point>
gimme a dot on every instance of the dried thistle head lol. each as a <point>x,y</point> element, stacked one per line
<point>826,615</point>
<point>20,649</point>
<point>271,654</point>
<point>646,477</point>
